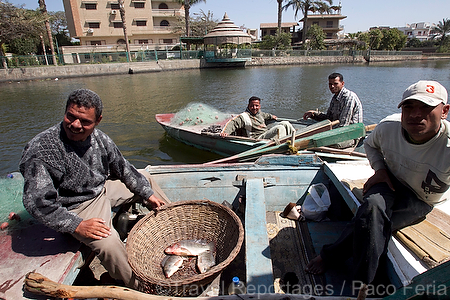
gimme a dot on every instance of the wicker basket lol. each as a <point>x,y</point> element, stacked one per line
<point>198,219</point>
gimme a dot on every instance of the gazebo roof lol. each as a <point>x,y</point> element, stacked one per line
<point>226,32</point>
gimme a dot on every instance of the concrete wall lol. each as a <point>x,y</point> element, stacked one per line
<point>50,72</point>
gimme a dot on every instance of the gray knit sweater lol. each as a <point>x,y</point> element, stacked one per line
<point>60,174</point>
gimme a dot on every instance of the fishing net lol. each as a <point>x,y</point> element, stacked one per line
<point>200,114</point>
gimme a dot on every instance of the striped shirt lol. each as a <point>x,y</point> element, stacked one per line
<point>344,107</point>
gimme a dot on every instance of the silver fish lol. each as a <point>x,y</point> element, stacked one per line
<point>171,264</point>
<point>205,261</point>
<point>190,247</point>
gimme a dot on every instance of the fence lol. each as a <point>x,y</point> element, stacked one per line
<point>155,55</point>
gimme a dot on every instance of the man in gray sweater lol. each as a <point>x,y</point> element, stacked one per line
<point>74,174</point>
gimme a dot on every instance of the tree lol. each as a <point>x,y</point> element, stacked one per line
<point>58,24</point>
<point>187,6</point>
<point>392,39</point>
<point>281,41</point>
<point>316,38</point>
<point>16,23</point>
<point>43,9</point>
<point>306,6</point>
<point>280,12</point>
<point>200,25</point>
<point>375,36</point>
<point>443,28</point>
<point>124,25</point>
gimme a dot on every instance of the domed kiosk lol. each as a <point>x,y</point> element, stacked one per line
<point>226,45</point>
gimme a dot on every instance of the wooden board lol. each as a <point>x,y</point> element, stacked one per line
<point>36,248</point>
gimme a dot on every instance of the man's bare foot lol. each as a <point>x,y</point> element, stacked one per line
<point>316,266</point>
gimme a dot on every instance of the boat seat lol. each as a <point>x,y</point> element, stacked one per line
<point>258,259</point>
<point>429,239</point>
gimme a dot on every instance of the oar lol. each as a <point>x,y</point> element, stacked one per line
<point>307,131</point>
<point>326,138</point>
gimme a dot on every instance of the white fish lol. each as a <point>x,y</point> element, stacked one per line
<point>171,264</point>
<point>190,247</point>
<point>205,261</point>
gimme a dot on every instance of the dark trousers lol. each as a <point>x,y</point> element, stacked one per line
<point>367,236</point>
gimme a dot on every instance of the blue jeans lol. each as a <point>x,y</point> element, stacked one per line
<point>367,236</point>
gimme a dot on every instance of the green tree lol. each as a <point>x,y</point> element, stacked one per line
<point>443,28</point>
<point>17,23</point>
<point>375,36</point>
<point>187,7</point>
<point>281,41</point>
<point>200,24</point>
<point>58,23</point>
<point>316,38</point>
<point>306,6</point>
<point>392,39</point>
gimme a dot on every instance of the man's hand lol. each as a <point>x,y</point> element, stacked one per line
<point>380,175</point>
<point>309,114</point>
<point>223,134</point>
<point>154,202</point>
<point>274,117</point>
<point>94,228</point>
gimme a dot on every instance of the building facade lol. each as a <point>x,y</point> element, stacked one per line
<point>148,22</point>
<point>330,23</point>
<point>422,31</point>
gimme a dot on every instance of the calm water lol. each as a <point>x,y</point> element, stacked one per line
<point>131,102</point>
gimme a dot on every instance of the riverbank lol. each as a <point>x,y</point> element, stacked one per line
<point>52,73</point>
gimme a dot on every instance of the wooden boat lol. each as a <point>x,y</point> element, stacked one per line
<point>277,249</point>
<point>195,134</point>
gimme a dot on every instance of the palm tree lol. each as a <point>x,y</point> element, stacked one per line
<point>443,28</point>
<point>280,12</point>
<point>187,6</point>
<point>124,25</point>
<point>306,6</point>
<point>43,9</point>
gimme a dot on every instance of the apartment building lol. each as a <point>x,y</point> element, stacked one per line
<point>148,22</point>
<point>330,23</point>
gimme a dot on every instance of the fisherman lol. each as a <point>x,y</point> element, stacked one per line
<point>411,158</point>
<point>74,174</point>
<point>253,123</point>
<point>345,107</point>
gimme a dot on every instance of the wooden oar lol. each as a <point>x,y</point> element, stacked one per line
<point>307,131</point>
<point>325,138</point>
<point>41,285</point>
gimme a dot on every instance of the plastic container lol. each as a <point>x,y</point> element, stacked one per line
<point>236,287</point>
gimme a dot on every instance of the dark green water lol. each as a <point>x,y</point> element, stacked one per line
<point>131,102</point>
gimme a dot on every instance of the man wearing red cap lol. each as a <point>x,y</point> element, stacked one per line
<point>411,159</point>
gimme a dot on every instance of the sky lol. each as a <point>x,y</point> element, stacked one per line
<point>361,14</point>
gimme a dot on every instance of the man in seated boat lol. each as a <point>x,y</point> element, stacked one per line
<point>253,123</point>
<point>74,174</point>
<point>411,159</point>
<point>345,107</point>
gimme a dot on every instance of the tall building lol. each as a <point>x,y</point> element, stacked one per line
<point>148,22</point>
<point>328,22</point>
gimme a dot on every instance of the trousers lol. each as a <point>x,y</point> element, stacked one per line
<point>111,251</point>
<point>367,236</point>
<point>282,129</point>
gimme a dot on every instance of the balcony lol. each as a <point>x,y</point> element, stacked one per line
<point>168,12</point>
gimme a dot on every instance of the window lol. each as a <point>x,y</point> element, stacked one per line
<point>94,24</point>
<point>141,22</point>
<point>164,23</point>
<point>316,23</point>
<point>139,4</point>
<point>167,41</point>
<point>118,24</point>
<point>163,6</point>
<point>90,6</point>
<point>329,35</point>
<point>95,43</point>
<point>329,24</point>
<point>142,42</point>
<point>115,6</point>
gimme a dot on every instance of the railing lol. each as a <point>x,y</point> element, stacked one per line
<point>142,54</point>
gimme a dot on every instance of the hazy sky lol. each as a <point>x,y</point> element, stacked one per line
<point>361,14</point>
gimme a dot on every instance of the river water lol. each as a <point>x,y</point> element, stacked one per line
<point>131,102</point>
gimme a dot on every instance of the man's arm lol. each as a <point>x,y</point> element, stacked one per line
<point>232,125</point>
<point>351,111</point>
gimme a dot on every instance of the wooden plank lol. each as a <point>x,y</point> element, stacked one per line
<point>258,260</point>
<point>36,248</point>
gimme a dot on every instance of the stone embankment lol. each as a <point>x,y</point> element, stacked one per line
<point>51,72</point>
